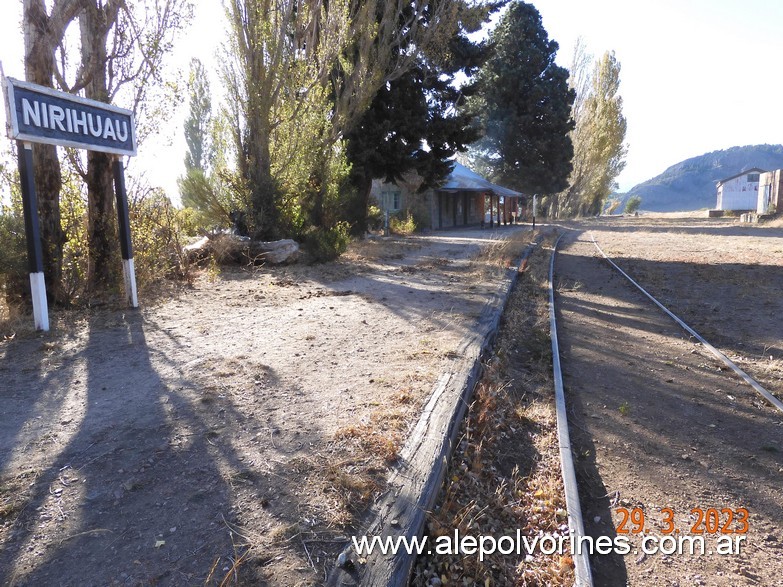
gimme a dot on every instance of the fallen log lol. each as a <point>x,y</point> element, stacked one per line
<point>275,252</point>
<point>231,248</point>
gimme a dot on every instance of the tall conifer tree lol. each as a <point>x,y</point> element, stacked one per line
<point>526,106</point>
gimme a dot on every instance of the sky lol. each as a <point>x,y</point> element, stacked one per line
<point>697,75</point>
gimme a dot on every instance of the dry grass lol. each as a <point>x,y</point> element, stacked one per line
<point>376,442</point>
<point>15,495</point>
<point>404,397</point>
<point>377,249</point>
<point>374,445</point>
<point>671,215</point>
<point>14,322</point>
<point>776,222</point>
<point>383,435</point>
<point>353,485</point>
<point>498,256</point>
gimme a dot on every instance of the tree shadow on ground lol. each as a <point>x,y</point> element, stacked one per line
<point>658,420</point>
<point>163,479</point>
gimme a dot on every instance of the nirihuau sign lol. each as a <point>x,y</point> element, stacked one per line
<point>43,115</point>
<point>37,114</point>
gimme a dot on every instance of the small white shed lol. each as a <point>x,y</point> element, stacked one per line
<point>739,192</point>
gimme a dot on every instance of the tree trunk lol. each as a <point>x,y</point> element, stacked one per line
<point>363,205</point>
<point>259,169</point>
<point>39,69</point>
<point>232,248</point>
<point>320,184</point>
<point>103,261</point>
<point>102,242</point>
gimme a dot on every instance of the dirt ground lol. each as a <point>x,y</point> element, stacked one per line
<point>239,431</point>
<point>235,432</point>
<point>657,421</point>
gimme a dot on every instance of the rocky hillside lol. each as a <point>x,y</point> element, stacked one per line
<point>690,184</point>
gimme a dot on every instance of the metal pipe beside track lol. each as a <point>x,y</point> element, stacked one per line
<point>728,362</point>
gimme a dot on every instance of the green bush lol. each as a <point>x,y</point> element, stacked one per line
<point>375,218</point>
<point>326,244</point>
<point>403,226</point>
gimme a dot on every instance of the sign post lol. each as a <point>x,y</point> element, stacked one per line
<point>37,114</point>
<point>123,222</point>
<point>535,208</point>
<point>33,235</point>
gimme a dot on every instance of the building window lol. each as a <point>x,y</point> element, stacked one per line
<point>753,177</point>
<point>392,200</point>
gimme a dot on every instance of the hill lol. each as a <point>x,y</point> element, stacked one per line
<point>690,184</point>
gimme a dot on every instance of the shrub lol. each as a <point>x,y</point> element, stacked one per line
<point>13,257</point>
<point>73,218</point>
<point>157,229</point>
<point>403,226</point>
<point>374,218</point>
<point>326,244</point>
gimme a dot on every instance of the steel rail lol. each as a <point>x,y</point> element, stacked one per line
<point>584,577</point>
<point>728,362</point>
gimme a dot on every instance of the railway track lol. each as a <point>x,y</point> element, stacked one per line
<point>665,428</point>
<point>774,401</point>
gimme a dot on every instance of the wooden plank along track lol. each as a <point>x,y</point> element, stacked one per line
<point>416,482</point>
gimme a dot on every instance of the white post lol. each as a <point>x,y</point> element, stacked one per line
<point>128,268</point>
<point>40,304</point>
<point>33,236</point>
<point>129,273</point>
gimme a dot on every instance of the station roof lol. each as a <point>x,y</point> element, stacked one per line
<point>751,170</point>
<point>462,179</point>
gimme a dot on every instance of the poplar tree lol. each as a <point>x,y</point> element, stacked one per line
<point>278,60</point>
<point>607,149</point>
<point>526,106</point>
<point>599,148</point>
<point>206,185</point>
<point>195,187</point>
<point>198,125</point>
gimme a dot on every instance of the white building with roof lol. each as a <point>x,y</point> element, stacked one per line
<point>739,192</point>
